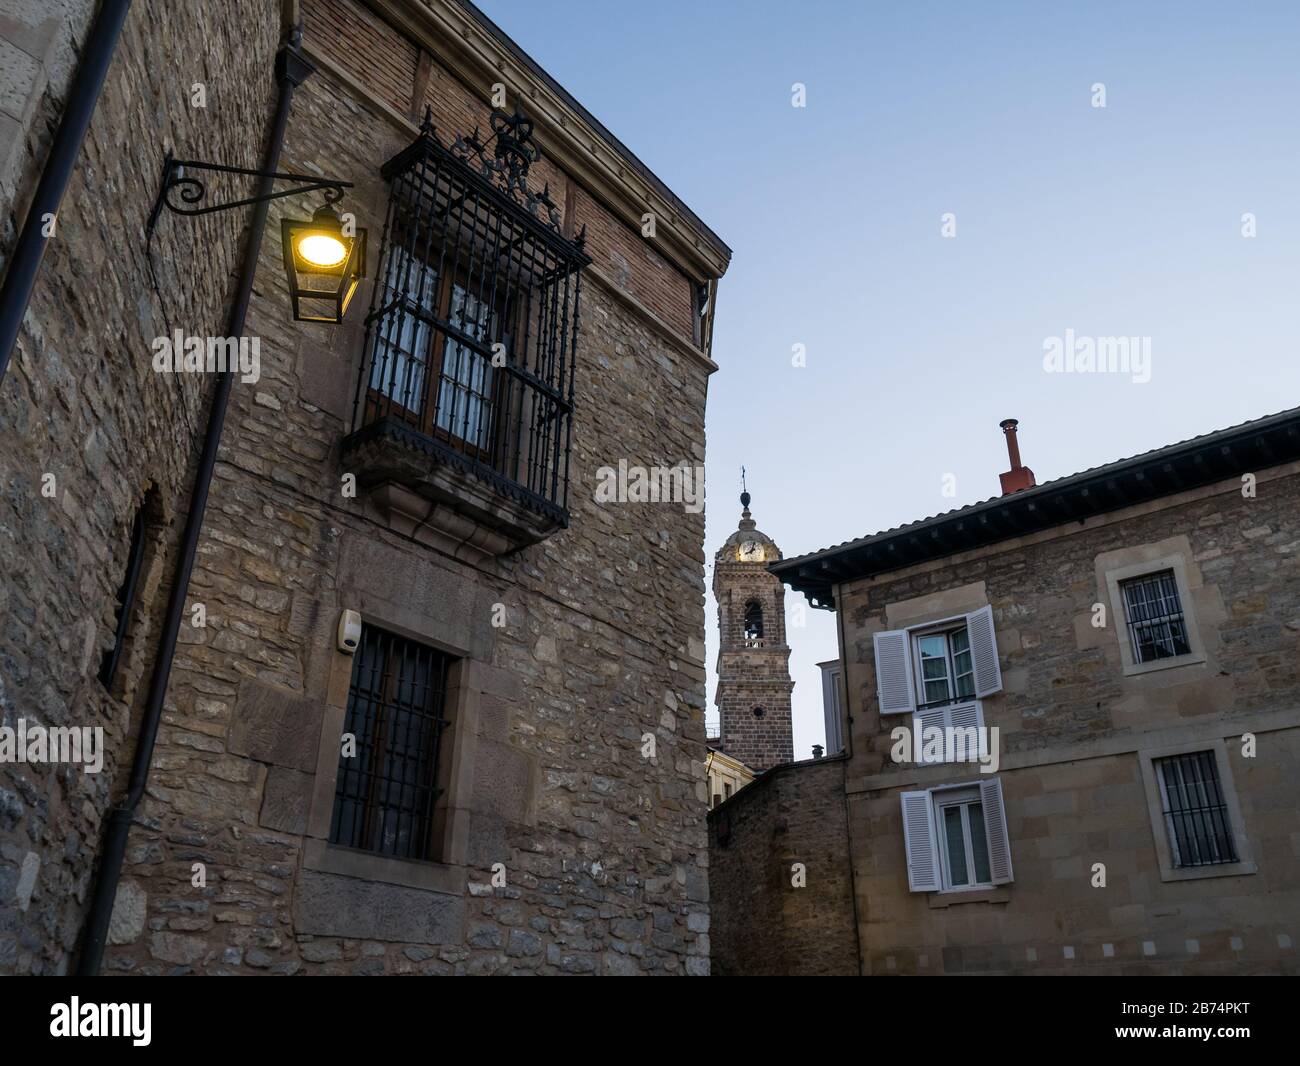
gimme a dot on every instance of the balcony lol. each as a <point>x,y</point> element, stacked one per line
<point>463,411</point>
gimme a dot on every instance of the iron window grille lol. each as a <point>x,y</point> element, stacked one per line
<point>1196,816</point>
<point>386,788</point>
<point>471,340</point>
<point>1156,626</point>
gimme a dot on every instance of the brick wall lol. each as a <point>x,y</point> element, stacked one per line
<point>761,923</point>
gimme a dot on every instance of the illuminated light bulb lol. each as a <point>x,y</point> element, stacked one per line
<point>322,250</point>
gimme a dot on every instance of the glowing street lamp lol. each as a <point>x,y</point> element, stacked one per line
<point>324,264</point>
<point>323,260</point>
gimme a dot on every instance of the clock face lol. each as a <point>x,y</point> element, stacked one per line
<point>751,551</point>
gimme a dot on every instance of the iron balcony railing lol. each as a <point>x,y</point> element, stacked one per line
<point>471,340</point>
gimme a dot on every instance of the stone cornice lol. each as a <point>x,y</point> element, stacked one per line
<point>466,42</point>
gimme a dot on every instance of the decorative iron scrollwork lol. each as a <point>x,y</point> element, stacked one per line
<point>504,159</point>
<point>190,191</point>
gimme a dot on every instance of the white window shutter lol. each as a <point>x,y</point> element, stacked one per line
<point>922,721</point>
<point>920,843</point>
<point>965,716</point>
<point>894,672</point>
<point>984,652</point>
<point>995,831</point>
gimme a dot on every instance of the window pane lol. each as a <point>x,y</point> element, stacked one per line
<point>933,652</point>
<point>402,343</point>
<point>932,646</point>
<point>464,390</point>
<point>978,844</point>
<point>961,662</point>
<point>956,840</point>
<point>934,668</point>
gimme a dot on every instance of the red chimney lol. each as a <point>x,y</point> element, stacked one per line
<point>1019,476</point>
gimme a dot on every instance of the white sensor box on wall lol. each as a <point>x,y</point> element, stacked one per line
<point>349,631</point>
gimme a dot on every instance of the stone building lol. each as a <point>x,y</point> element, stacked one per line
<point>754,685</point>
<point>433,707</point>
<point>1072,731</point>
<point>726,776</point>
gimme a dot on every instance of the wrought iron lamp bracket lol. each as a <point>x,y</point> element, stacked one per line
<point>191,191</point>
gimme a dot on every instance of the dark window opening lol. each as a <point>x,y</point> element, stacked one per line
<point>700,310</point>
<point>126,595</point>
<point>386,789</point>
<point>759,712</point>
<point>753,624</point>
<point>1157,629</point>
<point>1196,816</point>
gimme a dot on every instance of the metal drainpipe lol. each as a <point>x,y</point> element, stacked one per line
<point>25,263</point>
<point>291,70</point>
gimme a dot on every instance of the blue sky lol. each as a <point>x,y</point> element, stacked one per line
<point>1116,221</point>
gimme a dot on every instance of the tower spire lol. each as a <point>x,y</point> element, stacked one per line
<point>746,519</point>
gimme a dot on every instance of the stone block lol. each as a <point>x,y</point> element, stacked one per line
<point>504,781</point>
<point>329,905</point>
<point>129,908</point>
<point>286,800</point>
<point>273,725</point>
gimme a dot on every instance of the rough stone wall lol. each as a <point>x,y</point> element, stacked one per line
<point>604,849</point>
<point>762,923</point>
<point>81,403</point>
<point>1072,725</point>
<point>38,41</point>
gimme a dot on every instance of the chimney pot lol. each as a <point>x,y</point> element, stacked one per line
<point>1019,477</point>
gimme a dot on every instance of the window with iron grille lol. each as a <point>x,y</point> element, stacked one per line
<point>386,788</point>
<point>1196,816</point>
<point>472,334</point>
<point>1156,626</point>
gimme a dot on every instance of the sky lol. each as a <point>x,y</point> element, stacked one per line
<point>1127,220</point>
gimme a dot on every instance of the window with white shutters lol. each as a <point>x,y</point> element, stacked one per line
<point>938,664</point>
<point>956,838</point>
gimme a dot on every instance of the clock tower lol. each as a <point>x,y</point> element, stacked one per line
<point>754,686</point>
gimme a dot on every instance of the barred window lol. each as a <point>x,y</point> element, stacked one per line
<point>1156,626</point>
<point>472,335</point>
<point>1196,816</point>
<point>387,784</point>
